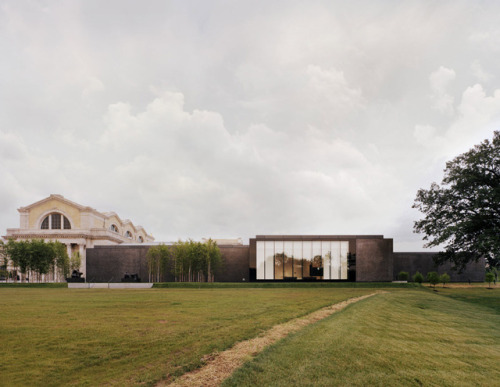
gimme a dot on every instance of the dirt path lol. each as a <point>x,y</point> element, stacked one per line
<point>221,365</point>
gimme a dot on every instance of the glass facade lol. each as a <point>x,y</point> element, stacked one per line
<point>302,260</point>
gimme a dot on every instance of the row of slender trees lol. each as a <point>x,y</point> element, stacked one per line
<point>188,261</point>
<point>36,258</point>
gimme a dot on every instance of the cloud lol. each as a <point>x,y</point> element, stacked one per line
<point>439,81</point>
<point>235,119</point>
<point>478,72</point>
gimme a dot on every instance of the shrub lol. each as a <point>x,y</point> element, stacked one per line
<point>444,279</point>
<point>433,278</point>
<point>403,276</point>
<point>490,277</point>
<point>418,277</point>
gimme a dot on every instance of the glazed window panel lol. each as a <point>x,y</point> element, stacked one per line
<point>344,250</point>
<point>288,259</point>
<point>45,224</point>
<point>56,221</point>
<point>297,259</point>
<point>67,225</point>
<point>278,260</point>
<point>269,259</point>
<point>317,260</point>
<point>260,261</point>
<point>326,253</point>
<point>335,260</point>
<point>307,258</point>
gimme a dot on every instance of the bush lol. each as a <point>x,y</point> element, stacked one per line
<point>403,276</point>
<point>418,277</point>
<point>490,277</point>
<point>433,278</point>
<point>444,279</point>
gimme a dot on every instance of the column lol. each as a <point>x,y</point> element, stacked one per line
<point>83,256</point>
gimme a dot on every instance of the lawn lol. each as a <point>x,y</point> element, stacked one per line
<point>414,337</point>
<point>127,337</point>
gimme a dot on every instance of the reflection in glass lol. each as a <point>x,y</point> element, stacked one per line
<point>316,268</point>
<point>307,257</point>
<point>288,259</point>
<point>269,245</point>
<point>260,261</point>
<point>297,259</point>
<point>327,257</point>
<point>335,260</point>
<point>278,260</point>
<point>344,249</point>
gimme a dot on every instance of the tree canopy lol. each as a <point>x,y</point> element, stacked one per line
<point>37,257</point>
<point>463,214</point>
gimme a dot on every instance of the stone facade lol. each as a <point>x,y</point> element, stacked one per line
<point>56,218</point>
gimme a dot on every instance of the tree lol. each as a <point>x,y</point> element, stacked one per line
<point>433,278</point>
<point>464,212</point>
<point>36,257</point>
<point>490,277</point>
<point>158,257</point>
<point>418,277</point>
<point>444,279</point>
<point>196,261</point>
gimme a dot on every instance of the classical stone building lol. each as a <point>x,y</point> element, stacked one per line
<point>56,218</point>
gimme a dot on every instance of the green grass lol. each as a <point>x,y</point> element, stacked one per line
<point>129,337</point>
<point>414,337</point>
<point>295,285</point>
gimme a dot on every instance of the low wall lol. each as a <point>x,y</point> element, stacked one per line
<point>111,285</point>
<point>423,262</point>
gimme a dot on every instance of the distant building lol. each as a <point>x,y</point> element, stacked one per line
<point>56,218</point>
<point>111,247</point>
<point>301,258</point>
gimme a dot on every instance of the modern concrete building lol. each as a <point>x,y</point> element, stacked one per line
<point>361,258</point>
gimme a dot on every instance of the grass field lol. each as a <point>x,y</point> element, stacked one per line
<point>91,337</point>
<point>409,336</point>
<point>446,338</point>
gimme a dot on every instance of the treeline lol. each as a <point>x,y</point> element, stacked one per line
<point>35,258</point>
<point>187,261</point>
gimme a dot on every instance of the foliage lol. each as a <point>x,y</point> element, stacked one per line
<point>433,278</point>
<point>75,261</point>
<point>403,276</point>
<point>464,212</point>
<point>37,257</point>
<point>158,257</point>
<point>490,277</point>
<point>444,279</point>
<point>196,261</point>
<point>418,277</point>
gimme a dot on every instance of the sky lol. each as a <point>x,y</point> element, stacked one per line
<point>231,119</point>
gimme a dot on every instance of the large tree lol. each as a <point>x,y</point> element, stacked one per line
<point>463,213</point>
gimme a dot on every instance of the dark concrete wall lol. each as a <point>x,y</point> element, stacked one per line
<point>374,260</point>
<point>423,262</point>
<point>110,263</point>
<point>236,268</point>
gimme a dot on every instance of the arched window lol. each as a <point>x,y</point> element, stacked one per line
<point>140,239</point>
<point>113,228</point>
<point>128,234</point>
<point>55,221</point>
